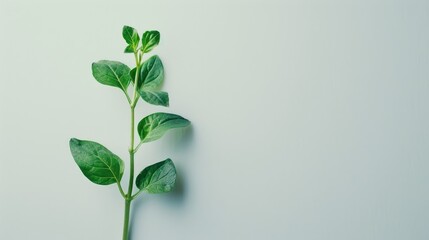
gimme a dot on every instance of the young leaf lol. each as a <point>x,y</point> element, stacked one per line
<point>129,49</point>
<point>131,37</point>
<point>154,126</point>
<point>155,97</point>
<point>157,178</point>
<point>97,163</point>
<point>150,39</point>
<point>150,80</point>
<point>133,74</point>
<point>151,74</point>
<point>112,73</point>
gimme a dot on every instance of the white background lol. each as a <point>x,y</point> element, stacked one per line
<point>309,119</point>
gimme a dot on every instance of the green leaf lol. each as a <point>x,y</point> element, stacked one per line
<point>150,39</point>
<point>129,49</point>
<point>155,97</point>
<point>151,74</point>
<point>133,74</point>
<point>130,34</point>
<point>150,81</point>
<point>154,126</point>
<point>97,163</point>
<point>112,73</point>
<point>157,178</point>
<point>131,37</point>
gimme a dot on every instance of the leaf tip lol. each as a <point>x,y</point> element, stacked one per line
<point>187,122</point>
<point>127,28</point>
<point>74,141</point>
<point>167,101</point>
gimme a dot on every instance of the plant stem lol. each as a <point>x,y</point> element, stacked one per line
<point>126,219</point>
<point>121,190</point>
<point>131,150</point>
<point>128,198</point>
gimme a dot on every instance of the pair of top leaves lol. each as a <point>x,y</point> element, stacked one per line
<point>151,73</point>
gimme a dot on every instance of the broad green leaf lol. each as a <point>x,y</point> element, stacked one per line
<point>131,37</point>
<point>112,73</point>
<point>151,73</point>
<point>155,97</point>
<point>150,80</point>
<point>154,126</point>
<point>157,178</point>
<point>150,39</point>
<point>97,163</point>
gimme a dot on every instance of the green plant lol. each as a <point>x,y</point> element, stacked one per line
<point>99,164</point>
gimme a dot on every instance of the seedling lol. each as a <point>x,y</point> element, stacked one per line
<point>99,164</point>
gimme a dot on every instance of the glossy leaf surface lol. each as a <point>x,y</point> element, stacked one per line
<point>157,178</point>
<point>155,97</point>
<point>150,39</point>
<point>151,73</point>
<point>150,80</point>
<point>154,126</point>
<point>112,73</point>
<point>131,37</point>
<point>96,162</point>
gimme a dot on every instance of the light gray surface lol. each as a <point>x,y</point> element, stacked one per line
<point>310,119</point>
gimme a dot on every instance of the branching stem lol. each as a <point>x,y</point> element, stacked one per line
<point>129,196</point>
<point>138,146</point>
<point>121,190</point>
<point>136,194</point>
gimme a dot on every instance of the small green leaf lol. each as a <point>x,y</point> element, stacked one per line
<point>151,73</point>
<point>150,39</point>
<point>155,97</point>
<point>131,37</point>
<point>112,73</point>
<point>130,34</point>
<point>97,163</point>
<point>157,178</point>
<point>154,126</point>
<point>133,74</point>
<point>150,81</point>
<point>150,94</point>
<point>129,49</point>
